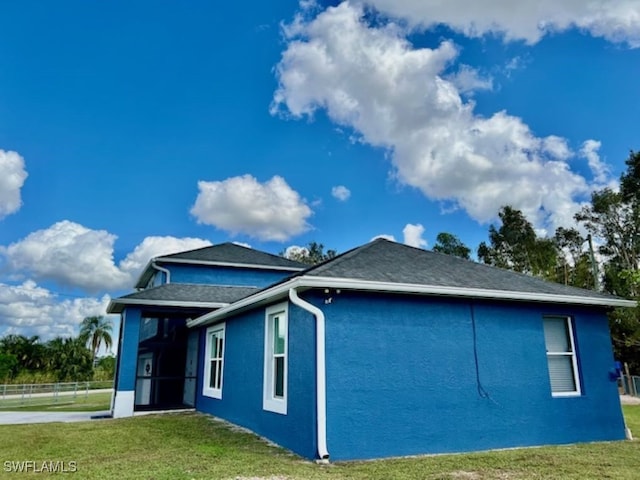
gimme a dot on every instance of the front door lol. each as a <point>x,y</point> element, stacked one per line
<point>191,370</point>
<point>143,381</point>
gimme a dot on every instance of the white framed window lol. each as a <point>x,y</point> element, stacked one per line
<point>275,359</point>
<point>214,362</point>
<point>561,356</point>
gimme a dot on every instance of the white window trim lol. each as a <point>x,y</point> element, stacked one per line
<point>574,359</point>
<point>207,391</point>
<point>269,401</point>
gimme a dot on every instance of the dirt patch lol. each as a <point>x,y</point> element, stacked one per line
<point>629,400</point>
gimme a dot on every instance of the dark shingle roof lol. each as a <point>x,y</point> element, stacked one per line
<point>385,266</point>
<point>232,253</point>
<point>385,261</point>
<point>182,294</point>
<point>223,254</point>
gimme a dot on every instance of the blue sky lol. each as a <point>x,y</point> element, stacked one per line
<point>135,129</point>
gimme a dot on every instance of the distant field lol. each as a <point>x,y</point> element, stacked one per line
<point>194,446</point>
<point>81,402</point>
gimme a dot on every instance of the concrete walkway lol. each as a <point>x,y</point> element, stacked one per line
<point>14,418</point>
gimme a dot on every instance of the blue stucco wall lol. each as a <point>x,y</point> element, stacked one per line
<point>216,275</point>
<point>128,352</point>
<point>241,401</point>
<point>402,377</point>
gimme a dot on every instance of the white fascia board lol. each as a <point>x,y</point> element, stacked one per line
<point>256,299</point>
<point>142,274</point>
<point>228,264</point>
<point>367,285</point>
<point>282,289</point>
<point>162,303</point>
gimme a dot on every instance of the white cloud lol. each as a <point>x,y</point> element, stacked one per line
<point>341,193</point>
<point>69,254</point>
<point>29,309</point>
<point>295,251</point>
<point>395,96</point>
<point>75,256</point>
<point>152,247</point>
<point>266,211</point>
<point>599,169</point>
<point>385,236</point>
<point>413,235</point>
<point>242,244</point>
<point>528,20</point>
<point>12,177</point>
<point>468,80</point>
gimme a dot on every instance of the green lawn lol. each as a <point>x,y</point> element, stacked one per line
<point>194,446</point>
<point>91,402</point>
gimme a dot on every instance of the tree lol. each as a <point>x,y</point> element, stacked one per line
<point>575,265</point>
<point>70,359</point>
<point>312,254</point>
<point>613,218</point>
<point>105,369</point>
<point>8,366</point>
<point>28,351</point>
<point>516,246</point>
<point>450,244</point>
<point>95,331</point>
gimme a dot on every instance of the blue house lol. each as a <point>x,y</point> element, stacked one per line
<point>157,365</point>
<point>388,350</point>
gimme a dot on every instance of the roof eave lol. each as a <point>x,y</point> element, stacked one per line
<point>145,275</point>
<point>118,305</point>
<point>229,264</point>
<point>280,290</point>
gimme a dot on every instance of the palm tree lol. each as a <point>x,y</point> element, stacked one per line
<point>70,359</point>
<point>95,331</point>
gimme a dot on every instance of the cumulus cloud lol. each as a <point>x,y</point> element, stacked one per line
<point>385,236</point>
<point>242,244</point>
<point>599,169</point>
<point>413,235</point>
<point>468,80</point>
<point>341,193</point>
<point>266,211</point>
<point>69,254</point>
<point>395,96</point>
<point>12,177</point>
<point>28,309</point>
<point>528,20</point>
<point>73,255</point>
<point>293,252</point>
<point>152,247</point>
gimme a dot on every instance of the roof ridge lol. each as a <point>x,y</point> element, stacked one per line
<point>341,257</point>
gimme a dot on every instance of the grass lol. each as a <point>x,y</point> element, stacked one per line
<point>91,402</point>
<point>194,446</point>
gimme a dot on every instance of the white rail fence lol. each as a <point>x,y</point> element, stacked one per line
<point>629,385</point>
<point>28,394</point>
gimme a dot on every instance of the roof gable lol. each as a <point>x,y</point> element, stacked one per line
<point>231,253</point>
<point>224,254</point>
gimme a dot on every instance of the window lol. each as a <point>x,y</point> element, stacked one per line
<point>275,359</point>
<point>561,356</point>
<point>214,362</point>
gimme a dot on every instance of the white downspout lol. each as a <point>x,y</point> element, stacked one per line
<point>321,385</point>
<point>163,270</point>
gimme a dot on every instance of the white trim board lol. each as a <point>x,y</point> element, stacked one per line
<point>305,282</point>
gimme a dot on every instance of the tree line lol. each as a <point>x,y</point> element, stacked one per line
<point>29,360</point>
<point>602,252</point>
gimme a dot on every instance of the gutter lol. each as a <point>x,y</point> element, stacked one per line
<point>321,384</point>
<point>163,270</point>
<point>304,282</point>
